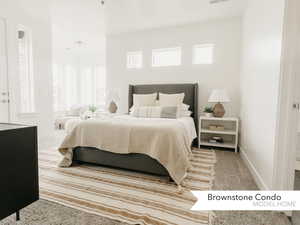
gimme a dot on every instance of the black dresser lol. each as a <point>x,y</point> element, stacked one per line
<point>19,185</point>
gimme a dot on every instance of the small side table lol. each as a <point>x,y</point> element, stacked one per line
<point>229,135</point>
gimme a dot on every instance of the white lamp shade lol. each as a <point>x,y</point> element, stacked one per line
<point>219,95</point>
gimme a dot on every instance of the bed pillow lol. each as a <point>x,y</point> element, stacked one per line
<point>185,107</point>
<point>171,99</point>
<point>77,110</point>
<point>185,113</point>
<point>170,112</point>
<point>144,100</point>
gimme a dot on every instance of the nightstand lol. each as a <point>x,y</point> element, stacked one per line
<point>226,128</point>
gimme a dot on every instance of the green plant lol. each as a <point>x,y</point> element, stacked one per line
<point>208,109</point>
<point>92,108</point>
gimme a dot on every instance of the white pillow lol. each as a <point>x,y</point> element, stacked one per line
<point>77,110</point>
<point>186,113</point>
<point>144,100</point>
<point>171,99</point>
<point>185,107</point>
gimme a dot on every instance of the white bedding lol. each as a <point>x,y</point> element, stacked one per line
<point>166,140</point>
<point>187,122</point>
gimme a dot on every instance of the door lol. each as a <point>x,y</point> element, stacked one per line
<point>296,106</point>
<point>296,101</point>
<point>4,94</point>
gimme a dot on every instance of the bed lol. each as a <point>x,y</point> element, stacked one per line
<point>136,161</point>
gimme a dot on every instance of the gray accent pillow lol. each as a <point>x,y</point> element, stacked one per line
<point>170,112</point>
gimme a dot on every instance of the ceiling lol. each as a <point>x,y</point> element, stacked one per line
<point>77,20</point>
<point>127,15</point>
<point>88,21</point>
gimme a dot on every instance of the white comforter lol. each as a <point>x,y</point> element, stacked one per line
<point>166,140</point>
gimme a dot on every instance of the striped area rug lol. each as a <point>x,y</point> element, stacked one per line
<point>131,197</point>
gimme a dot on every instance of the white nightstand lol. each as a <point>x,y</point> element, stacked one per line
<point>230,133</point>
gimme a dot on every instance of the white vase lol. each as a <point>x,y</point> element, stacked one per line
<point>208,114</point>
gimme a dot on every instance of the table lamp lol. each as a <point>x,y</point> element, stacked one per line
<point>113,97</point>
<point>219,96</point>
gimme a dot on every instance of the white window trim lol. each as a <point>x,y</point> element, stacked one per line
<point>30,69</point>
<point>134,53</point>
<point>166,49</point>
<point>203,46</point>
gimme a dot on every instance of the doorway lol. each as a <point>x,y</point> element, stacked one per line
<point>296,214</point>
<point>4,93</point>
<point>287,143</point>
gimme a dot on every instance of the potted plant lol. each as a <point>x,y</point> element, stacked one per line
<point>208,110</point>
<point>93,109</point>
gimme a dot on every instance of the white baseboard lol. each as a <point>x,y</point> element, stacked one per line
<point>257,177</point>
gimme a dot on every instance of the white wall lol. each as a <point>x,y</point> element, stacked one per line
<point>262,38</point>
<point>33,14</point>
<point>224,73</point>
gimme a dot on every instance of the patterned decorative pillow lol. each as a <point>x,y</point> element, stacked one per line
<point>170,112</point>
<point>184,108</point>
<point>146,111</point>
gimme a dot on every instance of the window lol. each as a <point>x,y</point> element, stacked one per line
<point>134,60</point>
<point>203,54</point>
<point>64,87</point>
<point>166,57</point>
<point>27,104</point>
<point>92,90</point>
<point>78,85</point>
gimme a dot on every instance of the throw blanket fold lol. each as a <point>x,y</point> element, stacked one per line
<point>165,140</point>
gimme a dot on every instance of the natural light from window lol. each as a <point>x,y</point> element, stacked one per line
<point>134,60</point>
<point>166,57</point>
<point>26,79</point>
<point>203,54</point>
<point>74,85</point>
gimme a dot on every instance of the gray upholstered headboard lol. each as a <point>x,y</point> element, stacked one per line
<point>190,91</point>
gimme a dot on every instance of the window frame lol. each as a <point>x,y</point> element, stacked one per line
<point>154,65</point>
<point>206,45</point>
<point>132,53</point>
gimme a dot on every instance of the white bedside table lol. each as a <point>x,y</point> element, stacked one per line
<point>230,134</point>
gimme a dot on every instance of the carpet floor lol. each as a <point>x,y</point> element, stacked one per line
<point>134,198</point>
<point>44,212</point>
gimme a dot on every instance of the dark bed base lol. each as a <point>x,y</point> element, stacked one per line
<point>135,162</point>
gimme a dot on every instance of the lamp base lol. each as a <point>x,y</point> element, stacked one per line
<point>219,110</point>
<point>112,107</point>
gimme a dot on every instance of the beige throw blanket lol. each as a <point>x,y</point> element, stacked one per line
<point>166,140</point>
